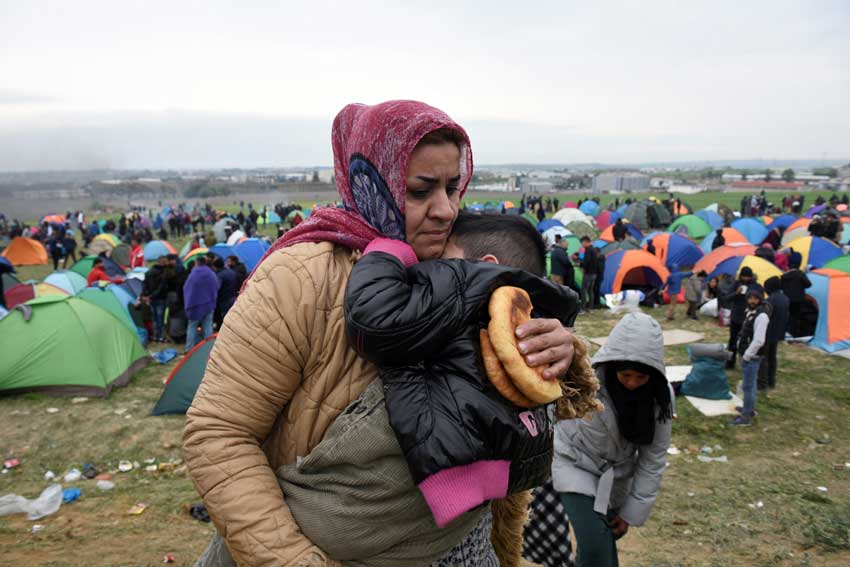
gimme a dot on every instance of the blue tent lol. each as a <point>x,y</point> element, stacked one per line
<point>713,220</point>
<point>546,224</point>
<point>222,251</point>
<point>622,210</point>
<point>783,222</point>
<point>754,231</point>
<point>156,249</point>
<point>273,217</point>
<point>589,208</point>
<point>250,251</point>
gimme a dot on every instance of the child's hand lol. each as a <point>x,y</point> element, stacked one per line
<point>546,341</point>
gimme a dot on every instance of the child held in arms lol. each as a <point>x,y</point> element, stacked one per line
<point>446,440</point>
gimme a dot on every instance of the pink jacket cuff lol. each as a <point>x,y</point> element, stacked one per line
<point>452,492</point>
<point>401,250</point>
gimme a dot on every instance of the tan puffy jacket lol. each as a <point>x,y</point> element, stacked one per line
<point>280,373</point>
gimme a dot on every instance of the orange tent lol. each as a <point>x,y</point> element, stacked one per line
<point>60,219</point>
<point>632,268</point>
<point>799,223</point>
<point>831,290</point>
<point>26,252</point>
<point>710,260</point>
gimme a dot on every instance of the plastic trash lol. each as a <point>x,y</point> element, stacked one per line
<point>89,471</point>
<point>49,475</point>
<point>168,558</point>
<point>73,475</point>
<point>47,503</point>
<point>37,528</point>
<point>137,510</point>
<point>105,485</point>
<point>165,355</point>
<point>125,466</point>
<point>52,410</point>
<point>823,489</point>
<point>11,463</point>
<point>673,451</point>
<point>151,468</point>
<point>80,400</point>
<point>70,494</point>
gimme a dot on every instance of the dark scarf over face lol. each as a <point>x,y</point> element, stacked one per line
<point>636,409</point>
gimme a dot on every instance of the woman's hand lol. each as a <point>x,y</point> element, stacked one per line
<point>619,527</point>
<point>546,341</point>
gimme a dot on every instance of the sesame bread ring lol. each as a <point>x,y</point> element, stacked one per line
<point>509,308</point>
<point>498,377</point>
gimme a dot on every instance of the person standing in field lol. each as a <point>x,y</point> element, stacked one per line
<point>779,313</point>
<point>751,347</point>
<point>200,292</point>
<point>590,267</point>
<point>693,293</point>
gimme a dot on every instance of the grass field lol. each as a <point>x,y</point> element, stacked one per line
<point>706,515</point>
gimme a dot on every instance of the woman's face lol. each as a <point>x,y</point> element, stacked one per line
<point>632,379</point>
<point>433,198</point>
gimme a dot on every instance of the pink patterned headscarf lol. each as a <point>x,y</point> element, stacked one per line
<point>372,147</point>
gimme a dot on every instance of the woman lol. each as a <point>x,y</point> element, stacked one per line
<point>282,370</point>
<point>608,468</point>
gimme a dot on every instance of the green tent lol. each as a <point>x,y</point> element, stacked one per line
<point>66,345</point>
<point>696,228</point>
<point>102,297</point>
<point>646,215</point>
<point>184,380</point>
<point>582,229</point>
<point>841,263</point>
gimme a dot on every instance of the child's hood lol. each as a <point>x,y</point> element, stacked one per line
<point>637,338</point>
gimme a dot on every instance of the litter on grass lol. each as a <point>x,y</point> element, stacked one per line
<point>137,510</point>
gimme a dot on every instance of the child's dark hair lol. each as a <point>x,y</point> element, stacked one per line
<point>512,239</point>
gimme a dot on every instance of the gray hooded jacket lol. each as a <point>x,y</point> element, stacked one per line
<point>593,458</point>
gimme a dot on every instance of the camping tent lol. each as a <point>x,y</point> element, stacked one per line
<point>710,260</point>
<point>84,264</point>
<point>546,224</point>
<point>762,269</point>
<point>121,255</point>
<point>251,251</point>
<point>792,234</point>
<point>183,382</point>
<point>815,210</point>
<point>71,282</point>
<point>841,263</point>
<point>730,235</point>
<point>156,249</point>
<point>692,226</point>
<point>646,215</point>
<point>754,231</point>
<point>632,268</point>
<point>589,208</point>
<point>235,237</point>
<point>566,216</point>
<point>606,218</point>
<point>103,243</point>
<point>831,290</point>
<point>190,257</point>
<point>675,250</point>
<point>23,292</point>
<point>222,251</point>
<point>39,349</point>
<point>608,234</point>
<point>581,229</point>
<point>550,233</point>
<point>782,221</point>
<point>219,228</point>
<point>26,252</point>
<point>816,251</point>
<point>106,299</point>
<point>610,247</point>
<point>799,223</point>
<point>711,218</point>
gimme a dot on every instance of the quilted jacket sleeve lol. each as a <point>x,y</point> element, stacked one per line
<point>254,368</point>
<point>392,313</point>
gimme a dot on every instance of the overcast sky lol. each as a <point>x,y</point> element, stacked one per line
<point>241,84</point>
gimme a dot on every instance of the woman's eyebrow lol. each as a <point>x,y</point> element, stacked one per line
<point>427,179</point>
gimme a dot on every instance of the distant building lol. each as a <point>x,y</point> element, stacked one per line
<point>530,185</point>
<point>759,185</point>
<point>620,182</point>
